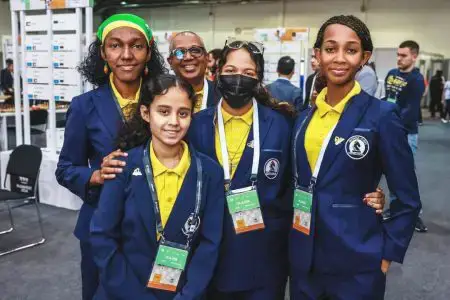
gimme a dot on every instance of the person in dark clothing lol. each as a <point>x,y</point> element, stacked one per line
<point>282,89</point>
<point>7,79</point>
<point>405,86</point>
<point>310,81</point>
<point>436,90</point>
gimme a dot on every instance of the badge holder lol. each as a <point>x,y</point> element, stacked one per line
<point>168,267</point>
<point>302,210</point>
<point>245,209</point>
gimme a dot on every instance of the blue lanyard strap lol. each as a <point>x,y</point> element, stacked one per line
<point>152,186</point>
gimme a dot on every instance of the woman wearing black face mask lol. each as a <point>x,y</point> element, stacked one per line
<point>250,139</point>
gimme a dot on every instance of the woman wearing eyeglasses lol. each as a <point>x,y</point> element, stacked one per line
<point>121,56</point>
<point>189,59</point>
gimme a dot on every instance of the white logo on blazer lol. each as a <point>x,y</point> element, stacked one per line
<point>191,226</point>
<point>357,147</point>
<point>137,172</point>
<point>251,144</point>
<point>272,168</point>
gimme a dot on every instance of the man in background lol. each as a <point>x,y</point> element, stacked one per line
<point>436,90</point>
<point>310,81</point>
<point>188,59</point>
<point>7,79</point>
<point>405,87</point>
<point>282,89</point>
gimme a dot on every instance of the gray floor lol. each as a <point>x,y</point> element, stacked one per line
<point>51,271</point>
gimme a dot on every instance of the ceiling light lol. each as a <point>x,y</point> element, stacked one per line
<point>123,3</point>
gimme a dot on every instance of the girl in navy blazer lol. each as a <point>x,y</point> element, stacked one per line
<point>128,235</point>
<point>253,260</point>
<point>340,249</point>
<point>121,56</point>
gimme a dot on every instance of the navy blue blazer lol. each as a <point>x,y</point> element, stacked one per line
<point>284,90</point>
<point>123,232</point>
<point>213,94</point>
<point>254,259</point>
<point>93,123</point>
<point>347,236</point>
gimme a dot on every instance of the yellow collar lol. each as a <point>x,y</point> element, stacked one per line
<point>247,117</point>
<point>122,101</point>
<point>180,169</point>
<point>323,107</point>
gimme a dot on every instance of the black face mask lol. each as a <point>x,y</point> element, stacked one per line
<point>237,90</point>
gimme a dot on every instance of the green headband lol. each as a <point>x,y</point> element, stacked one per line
<point>124,20</point>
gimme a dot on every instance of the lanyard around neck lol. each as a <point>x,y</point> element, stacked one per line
<point>152,186</point>
<point>319,160</point>
<point>205,94</point>
<point>223,143</point>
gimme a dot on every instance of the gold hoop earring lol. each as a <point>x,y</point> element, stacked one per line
<point>146,71</point>
<point>106,69</point>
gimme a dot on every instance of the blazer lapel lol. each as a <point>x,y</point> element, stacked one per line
<point>303,168</point>
<point>208,135</point>
<point>244,169</point>
<point>144,201</point>
<point>351,117</point>
<point>107,110</point>
<point>184,205</point>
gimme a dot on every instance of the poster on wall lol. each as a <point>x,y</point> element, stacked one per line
<point>280,42</point>
<point>62,4</point>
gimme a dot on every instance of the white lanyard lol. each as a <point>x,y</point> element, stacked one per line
<point>223,142</point>
<point>205,94</point>
<point>312,87</point>
<point>319,160</point>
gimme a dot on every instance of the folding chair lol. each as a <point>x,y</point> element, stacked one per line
<point>23,172</point>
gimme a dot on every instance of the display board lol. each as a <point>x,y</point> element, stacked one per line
<point>280,42</point>
<point>54,41</point>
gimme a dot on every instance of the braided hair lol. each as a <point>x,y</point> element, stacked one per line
<point>351,22</point>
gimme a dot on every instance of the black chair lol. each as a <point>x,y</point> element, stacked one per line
<point>23,172</point>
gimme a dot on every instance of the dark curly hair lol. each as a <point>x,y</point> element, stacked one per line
<point>136,131</point>
<point>91,68</point>
<point>261,94</point>
<point>351,22</point>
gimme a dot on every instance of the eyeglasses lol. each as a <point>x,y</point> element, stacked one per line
<point>194,51</point>
<point>255,47</point>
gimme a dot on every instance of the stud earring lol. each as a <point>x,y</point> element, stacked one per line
<point>146,71</point>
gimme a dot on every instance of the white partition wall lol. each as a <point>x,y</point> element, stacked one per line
<point>51,39</point>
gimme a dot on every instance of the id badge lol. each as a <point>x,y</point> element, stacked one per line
<point>169,264</point>
<point>392,100</point>
<point>302,211</point>
<point>245,209</point>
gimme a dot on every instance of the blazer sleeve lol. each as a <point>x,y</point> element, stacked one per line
<point>201,267</point>
<point>116,276</point>
<point>298,99</point>
<point>398,166</point>
<point>73,171</point>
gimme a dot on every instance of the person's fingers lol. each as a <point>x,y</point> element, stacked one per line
<point>108,176</point>
<point>108,170</point>
<point>379,211</point>
<point>113,163</point>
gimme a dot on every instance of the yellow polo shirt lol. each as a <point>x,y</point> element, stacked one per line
<point>324,119</point>
<point>237,129</point>
<point>199,100</point>
<point>168,182</point>
<point>128,106</point>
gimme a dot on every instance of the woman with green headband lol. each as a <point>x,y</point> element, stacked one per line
<point>123,54</point>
